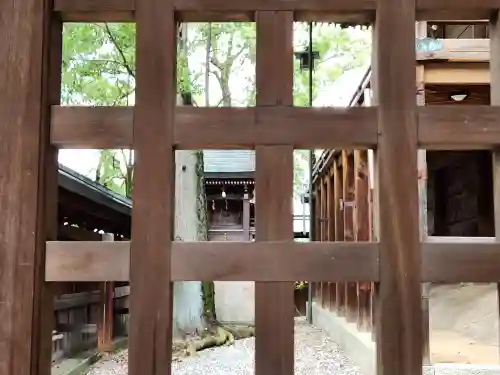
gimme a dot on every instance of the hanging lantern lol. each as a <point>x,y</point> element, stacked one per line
<point>304,57</point>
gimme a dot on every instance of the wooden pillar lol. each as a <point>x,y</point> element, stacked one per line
<point>323,225</point>
<point>421,32</point>
<point>326,237</point>
<point>494,30</point>
<point>351,297</point>
<point>362,230</point>
<point>331,228</point>
<point>106,321</point>
<point>150,345</point>
<point>339,228</point>
<point>399,314</point>
<point>246,217</point>
<point>274,301</point>
<point>29,73</point>
<point>317,236</point>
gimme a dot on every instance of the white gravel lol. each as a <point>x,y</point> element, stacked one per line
<point>315,354</point>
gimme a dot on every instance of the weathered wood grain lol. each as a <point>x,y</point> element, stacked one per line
<point>354,12</point>
<point>111,127</point>
<point>461,259</point>
<point>439,127</point>
<point>494,32</point>
<point>48,193</point>
<point>274,302</point>
<point>150,346</point>
<point>224,261</point>
<point>454,127</point>
<point>399,317</point>
<point>24,155</point>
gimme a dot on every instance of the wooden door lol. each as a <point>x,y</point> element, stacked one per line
<point>32,122</point>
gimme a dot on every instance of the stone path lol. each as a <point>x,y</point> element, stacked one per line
<point>315,354</point>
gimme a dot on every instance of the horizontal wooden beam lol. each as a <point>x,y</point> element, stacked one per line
<point>459,50</point>
<point>460,259</point>
<point>454,73</point>
<point>92,127</point>
<point>204,128</point>
<point>77,300</point>
<point>444,259</point>
<point>455,127</point>
<point>451,127</point>
<point>349,11</point>
<point>222,261</point>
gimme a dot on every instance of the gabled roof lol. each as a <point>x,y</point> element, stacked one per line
<point>76,183</point>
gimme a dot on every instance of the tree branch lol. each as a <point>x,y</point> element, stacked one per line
<point>120,51</point>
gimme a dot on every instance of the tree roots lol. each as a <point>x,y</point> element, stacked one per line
<point>219,335</point>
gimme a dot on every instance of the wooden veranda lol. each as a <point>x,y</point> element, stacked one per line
<point>33,126</point>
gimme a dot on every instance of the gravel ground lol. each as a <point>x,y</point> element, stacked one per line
<point>315,354</point>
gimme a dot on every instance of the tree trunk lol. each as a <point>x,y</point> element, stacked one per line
<point>189,226</point>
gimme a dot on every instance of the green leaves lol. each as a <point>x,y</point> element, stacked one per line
<point>99,66</point>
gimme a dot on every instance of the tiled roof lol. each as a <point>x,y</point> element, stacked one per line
<point>229,161</point>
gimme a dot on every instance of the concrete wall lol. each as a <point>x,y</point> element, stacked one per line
<point>359,347</point>
<point>235,301</point>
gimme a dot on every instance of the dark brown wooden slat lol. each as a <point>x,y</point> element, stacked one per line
<point>23,153</point>
<point>111,127</point>
<point>92,127</point>
<point>440,127</point>
<point>399,316</point>
<point>445,259</point>
<point>460,259</point>
<point>326,261</point>
<point>224,261</point>
<point>207,6</point>
<point>443,15</point>
<point>87,261</point>
<point>458,127</point>
<point>95,10</point>
<point>48,192</point>
<point>275,5</point>
<point>150,346</point>
<point>274,302</point>
<point>494,33</point>
<point>456,4</point>
<point>245,128</point>
<point>358,12</point>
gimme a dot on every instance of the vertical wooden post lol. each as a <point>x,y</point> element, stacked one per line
<point>28,168</point>
<point>150,348</point>
<point>362,229</point>
<point>323,224</point>
<point>399,314</point>
<point>44,320</point>
<point>331,229</point>
<point>494,30</point>
<point>246,217</point>
<point>421,32</point>
<point>351,298</point>
<point>317,237</point>
<point>274,302</point>
<point>339,229</point>
<point>105,324</point>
